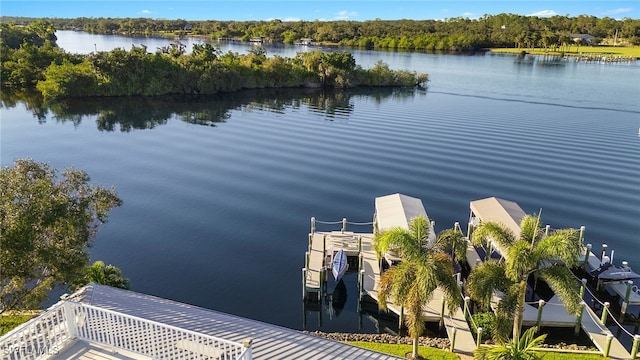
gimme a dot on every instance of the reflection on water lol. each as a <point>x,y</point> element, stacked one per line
<point>138,113</point>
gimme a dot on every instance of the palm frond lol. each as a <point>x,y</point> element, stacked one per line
<point>520,260</point>
<point>485,278</point>
<point>564,284</point>
<point>454,240</point>
<point>530,230</point>
<point>496,232</point>
<point>563,244</point>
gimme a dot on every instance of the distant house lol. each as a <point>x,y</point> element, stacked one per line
<point>305,41</point>
<point>257,39</point>
<point>584,38</point>
<point>187,27</point>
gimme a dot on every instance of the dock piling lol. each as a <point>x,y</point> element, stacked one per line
<point>607,345</point>
<point>344,225</point>
<point>453,339</point>
<point>576,330</point>
<point>313,225</point>
<point>634,348</point>
<point>304,284</point>
<point>479,339</point>
<point>539,319</point>
<point>625,301</point>
<point>605,311</point>
<point>442,313</point>
<point>586,256</point>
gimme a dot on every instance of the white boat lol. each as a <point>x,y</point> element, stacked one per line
<point>339,265</point>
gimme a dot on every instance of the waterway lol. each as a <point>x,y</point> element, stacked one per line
<point>218,192</point>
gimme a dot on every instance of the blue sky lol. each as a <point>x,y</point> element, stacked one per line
<point>290,10</point>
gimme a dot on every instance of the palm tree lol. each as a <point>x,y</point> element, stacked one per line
<point>547,256</point>
<point>100,274</point>
<point>521,349</point>
<point>423,268</point>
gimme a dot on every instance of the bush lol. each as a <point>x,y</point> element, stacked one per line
<point>484,320</point>
<point>9,322</point>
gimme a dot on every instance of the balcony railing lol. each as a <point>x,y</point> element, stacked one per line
<point>50,332</point>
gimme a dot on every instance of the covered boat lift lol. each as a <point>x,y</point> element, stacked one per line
<point>397,210</point>
<point>497,210</point>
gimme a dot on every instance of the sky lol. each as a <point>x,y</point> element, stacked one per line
<point>328,10</point>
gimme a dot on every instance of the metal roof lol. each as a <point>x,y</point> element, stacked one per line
<point>269,341</point>
<point>499,210</point>
<point>396,210</point>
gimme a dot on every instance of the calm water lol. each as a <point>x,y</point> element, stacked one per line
<point>218,192</point>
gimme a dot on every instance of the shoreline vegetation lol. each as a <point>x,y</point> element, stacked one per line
<point>503,30</point>
<point>31,59</point>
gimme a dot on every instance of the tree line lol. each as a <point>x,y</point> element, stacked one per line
<point>457,34</point>
<point>31,59</point>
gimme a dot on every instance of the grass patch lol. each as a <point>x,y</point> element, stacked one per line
<point>9,322</point>
<point>432,353</point>
<point>633,51</point>
<point>401,349</point>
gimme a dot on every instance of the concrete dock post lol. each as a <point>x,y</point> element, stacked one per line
<point>469,230</point>
<point>603,251</point>
<point>582,287</point>
<point>605,311</point>
<point>539,318</point>
<point>453,339</point>
<point>634,347</point>
<point>313,225</point>
<point>442,313</point>
<point>456,227</point>
<point>576,330</point>
<point>625,301</point>
<point>359,286</point>
<point>607,345</point>
<point>581,236</point>
<point>466,306</point>
<point>304,284</point>
<point>479,339</point>
<point>586,256</point>
<point>546,230</point>
<point>344,225</point>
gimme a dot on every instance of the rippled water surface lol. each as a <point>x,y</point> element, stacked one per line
<point>218,192</point>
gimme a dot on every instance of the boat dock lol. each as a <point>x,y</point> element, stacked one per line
<point>392,210</point>
<point>553,313</point>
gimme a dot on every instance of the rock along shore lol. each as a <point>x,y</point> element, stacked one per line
<point>440,343</point>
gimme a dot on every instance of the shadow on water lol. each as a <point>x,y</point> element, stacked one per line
<point>139,113</point>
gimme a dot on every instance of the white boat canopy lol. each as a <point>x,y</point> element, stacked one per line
<point>497,210</point>
<point>396,210</point>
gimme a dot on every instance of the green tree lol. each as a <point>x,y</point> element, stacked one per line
<point>47,222</point>
<point>532,253</point>
<point>106,275</point>
<point>411,284</point>
<point>514,349</point>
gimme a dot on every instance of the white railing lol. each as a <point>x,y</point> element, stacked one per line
<point>40,337</point>
<point>48,333</point>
